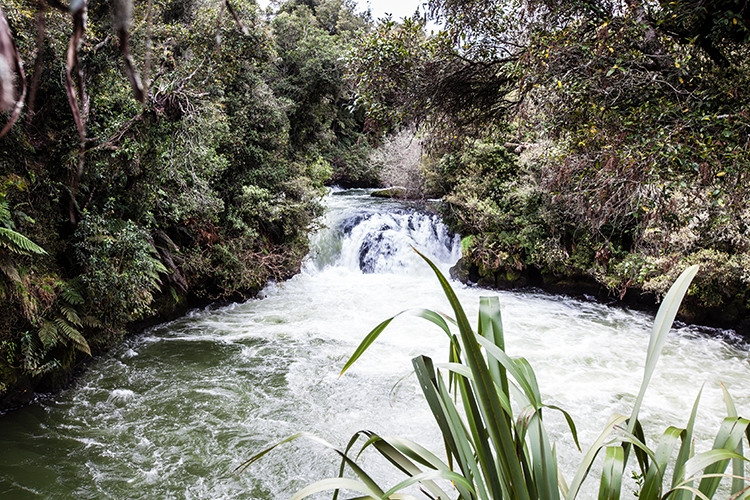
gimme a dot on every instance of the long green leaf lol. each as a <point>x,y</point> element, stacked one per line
<point>454,440</point>
<point>367,482</point>
<point>491,327</point>
<point>706,459</point>
<point>416,452</point>
<point>371,337</point>
<point>421,455</point>
<point>652,484</point>
<point>342,468</point>
<point>465,371</point>
<point>662,324</point>
<point>738,466</point>
<point>569,421</point>
<point>406,464</point>
<point>484,454</point>
<point>517,368</point>
<point>494,416</point>
<point>457,479</point>
<point>728,438</point>
<point>685,453</point>
<point>544,461</point>
<point>465,441</point>
<point>611,480</point>
<point>585,466</point>
<point>336,483</point>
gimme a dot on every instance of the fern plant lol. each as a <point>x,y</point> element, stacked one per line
<point>61,324</point>
<point>65,322</point>
<point>12,240</point>
<point>493,452</point>
<point>13,243</point>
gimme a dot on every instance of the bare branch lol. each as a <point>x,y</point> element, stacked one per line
<point>237,19</point>
<point>8,59</point>
<point>123,12</point>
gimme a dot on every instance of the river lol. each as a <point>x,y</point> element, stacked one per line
<point>172,411</point>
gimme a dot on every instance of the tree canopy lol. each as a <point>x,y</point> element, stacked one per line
<point>601,140</point>
<point>180,158</point>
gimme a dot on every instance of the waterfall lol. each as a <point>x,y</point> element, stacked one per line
<point>381,238</point>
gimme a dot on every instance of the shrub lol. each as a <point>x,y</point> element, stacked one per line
<point>121,270</point>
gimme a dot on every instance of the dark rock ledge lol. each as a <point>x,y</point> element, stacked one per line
<point>731,316</point>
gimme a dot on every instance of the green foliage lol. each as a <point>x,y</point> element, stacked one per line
<point>11,240</point>
<point>630,121</point>
<point>382,65</point>
<point>404,78</point>
<point>18,243</point>
<point>121,269</point>
<point>206,186</point>
<point>490,197</point>
<point>490,414</point>
<point>66,319</point>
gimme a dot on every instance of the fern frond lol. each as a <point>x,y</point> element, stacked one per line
<point>48,334</point>
<point>159,267</point>
<point>5,213</point>
<point>71,333</point>
<point>154,271</point>
<point>71,292</point>
<point>18,243</point>
<point>45,368</point>
<point>91,321</point>
<point>70,314</point>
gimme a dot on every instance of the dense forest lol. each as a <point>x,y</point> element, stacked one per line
<point>159,155</point>
<point>167,155</point>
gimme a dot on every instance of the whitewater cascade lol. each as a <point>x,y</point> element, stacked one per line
<point>172,411</point>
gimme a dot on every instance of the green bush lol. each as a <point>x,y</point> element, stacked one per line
<point>120,268</point>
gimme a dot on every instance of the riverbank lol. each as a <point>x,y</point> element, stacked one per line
<point>20,387</point>
<point>585,287</point>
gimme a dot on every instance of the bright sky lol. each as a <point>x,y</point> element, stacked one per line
<point>398,8</point>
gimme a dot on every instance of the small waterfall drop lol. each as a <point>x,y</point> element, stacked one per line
<point>380,237</point>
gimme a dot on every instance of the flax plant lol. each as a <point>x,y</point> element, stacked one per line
<point>494,452</point>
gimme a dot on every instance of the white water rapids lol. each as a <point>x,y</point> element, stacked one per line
<point>174,410</point>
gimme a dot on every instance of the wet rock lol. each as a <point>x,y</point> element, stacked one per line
<point>465,272</point>
<point>391,192</point>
